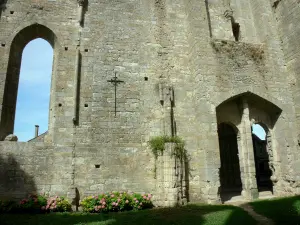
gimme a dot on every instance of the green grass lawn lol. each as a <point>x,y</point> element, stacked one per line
<point>283,211</point>
<point>191,214</point>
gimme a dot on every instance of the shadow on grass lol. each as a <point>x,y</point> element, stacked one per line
<point>283,211</point>
<point>191,214</point>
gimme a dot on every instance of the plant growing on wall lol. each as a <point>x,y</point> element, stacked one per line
<point>157,145</point>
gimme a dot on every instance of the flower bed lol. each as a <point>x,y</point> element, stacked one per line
<point>116,201</point>
<point>36,204</point>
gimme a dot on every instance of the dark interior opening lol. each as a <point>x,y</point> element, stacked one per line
<point>230,174</point>
<point>263,171</point>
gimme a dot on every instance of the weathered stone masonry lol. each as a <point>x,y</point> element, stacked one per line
<point>184,74</point>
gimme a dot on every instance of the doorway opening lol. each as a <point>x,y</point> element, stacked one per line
<point>230,174</point>
<point>261,146</point>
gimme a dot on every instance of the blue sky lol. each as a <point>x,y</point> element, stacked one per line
<point>34,89</point>
<point>259,131</point>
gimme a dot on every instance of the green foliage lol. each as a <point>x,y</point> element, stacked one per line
<point>157,145</point>
<point>8,206</point>
<point>58,204</point>
<point>115,202</point>
<point>63,205</point>
<point>34,203</point>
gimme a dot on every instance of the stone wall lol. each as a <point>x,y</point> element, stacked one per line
<point>179,63</point>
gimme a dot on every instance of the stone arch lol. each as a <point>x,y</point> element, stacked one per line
<point>254,93</point>
<point>244,109</point>
<point>18,43</point>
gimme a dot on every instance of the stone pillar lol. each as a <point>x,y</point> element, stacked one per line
<point>166,177</point>
<point>247,162</point>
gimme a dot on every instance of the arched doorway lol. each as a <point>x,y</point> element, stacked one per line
<point>261,146</point>
<point>13,72</point>
<point>230,174</point>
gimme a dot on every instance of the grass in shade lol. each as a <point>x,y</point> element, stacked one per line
<point>191,214</point>
<point>283,211</point>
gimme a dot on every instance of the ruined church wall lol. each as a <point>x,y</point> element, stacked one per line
<point>28,168</point>
<point>61,18</point>
<point>155,47</point>
<point>286,14</point>
<point>227,69</point>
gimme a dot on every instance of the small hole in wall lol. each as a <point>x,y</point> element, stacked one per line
<point>66,48</point>
<point>146,78</point>
<point>2,44</point>
<point>12,12</point>
<point>60,105</point>
<point>86,105</point>
<point>86,50</point>
<point>97,166</point>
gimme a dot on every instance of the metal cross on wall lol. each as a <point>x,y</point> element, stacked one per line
<point>115,81</point>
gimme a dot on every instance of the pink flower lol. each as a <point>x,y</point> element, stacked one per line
<point>136,201</point>
<point>119,200</point>
<point>99,207</point>
<point>116,204</point>
<point>149,195</point>
<point>144,197</point>
<point>112,195</point>
<point>113,203</point>
<point>103,207</point>
<point>126,201</point>
<point>103,203</point>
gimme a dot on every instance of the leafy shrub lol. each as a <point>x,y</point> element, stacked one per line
<point>116,201</point>
<point>8,206</point>
<point>34,203</point>
<point>58,204</point>
<point>142,201</point>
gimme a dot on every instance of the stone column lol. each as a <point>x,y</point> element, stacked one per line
<point>166,177</point>
<point>248,171</point>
